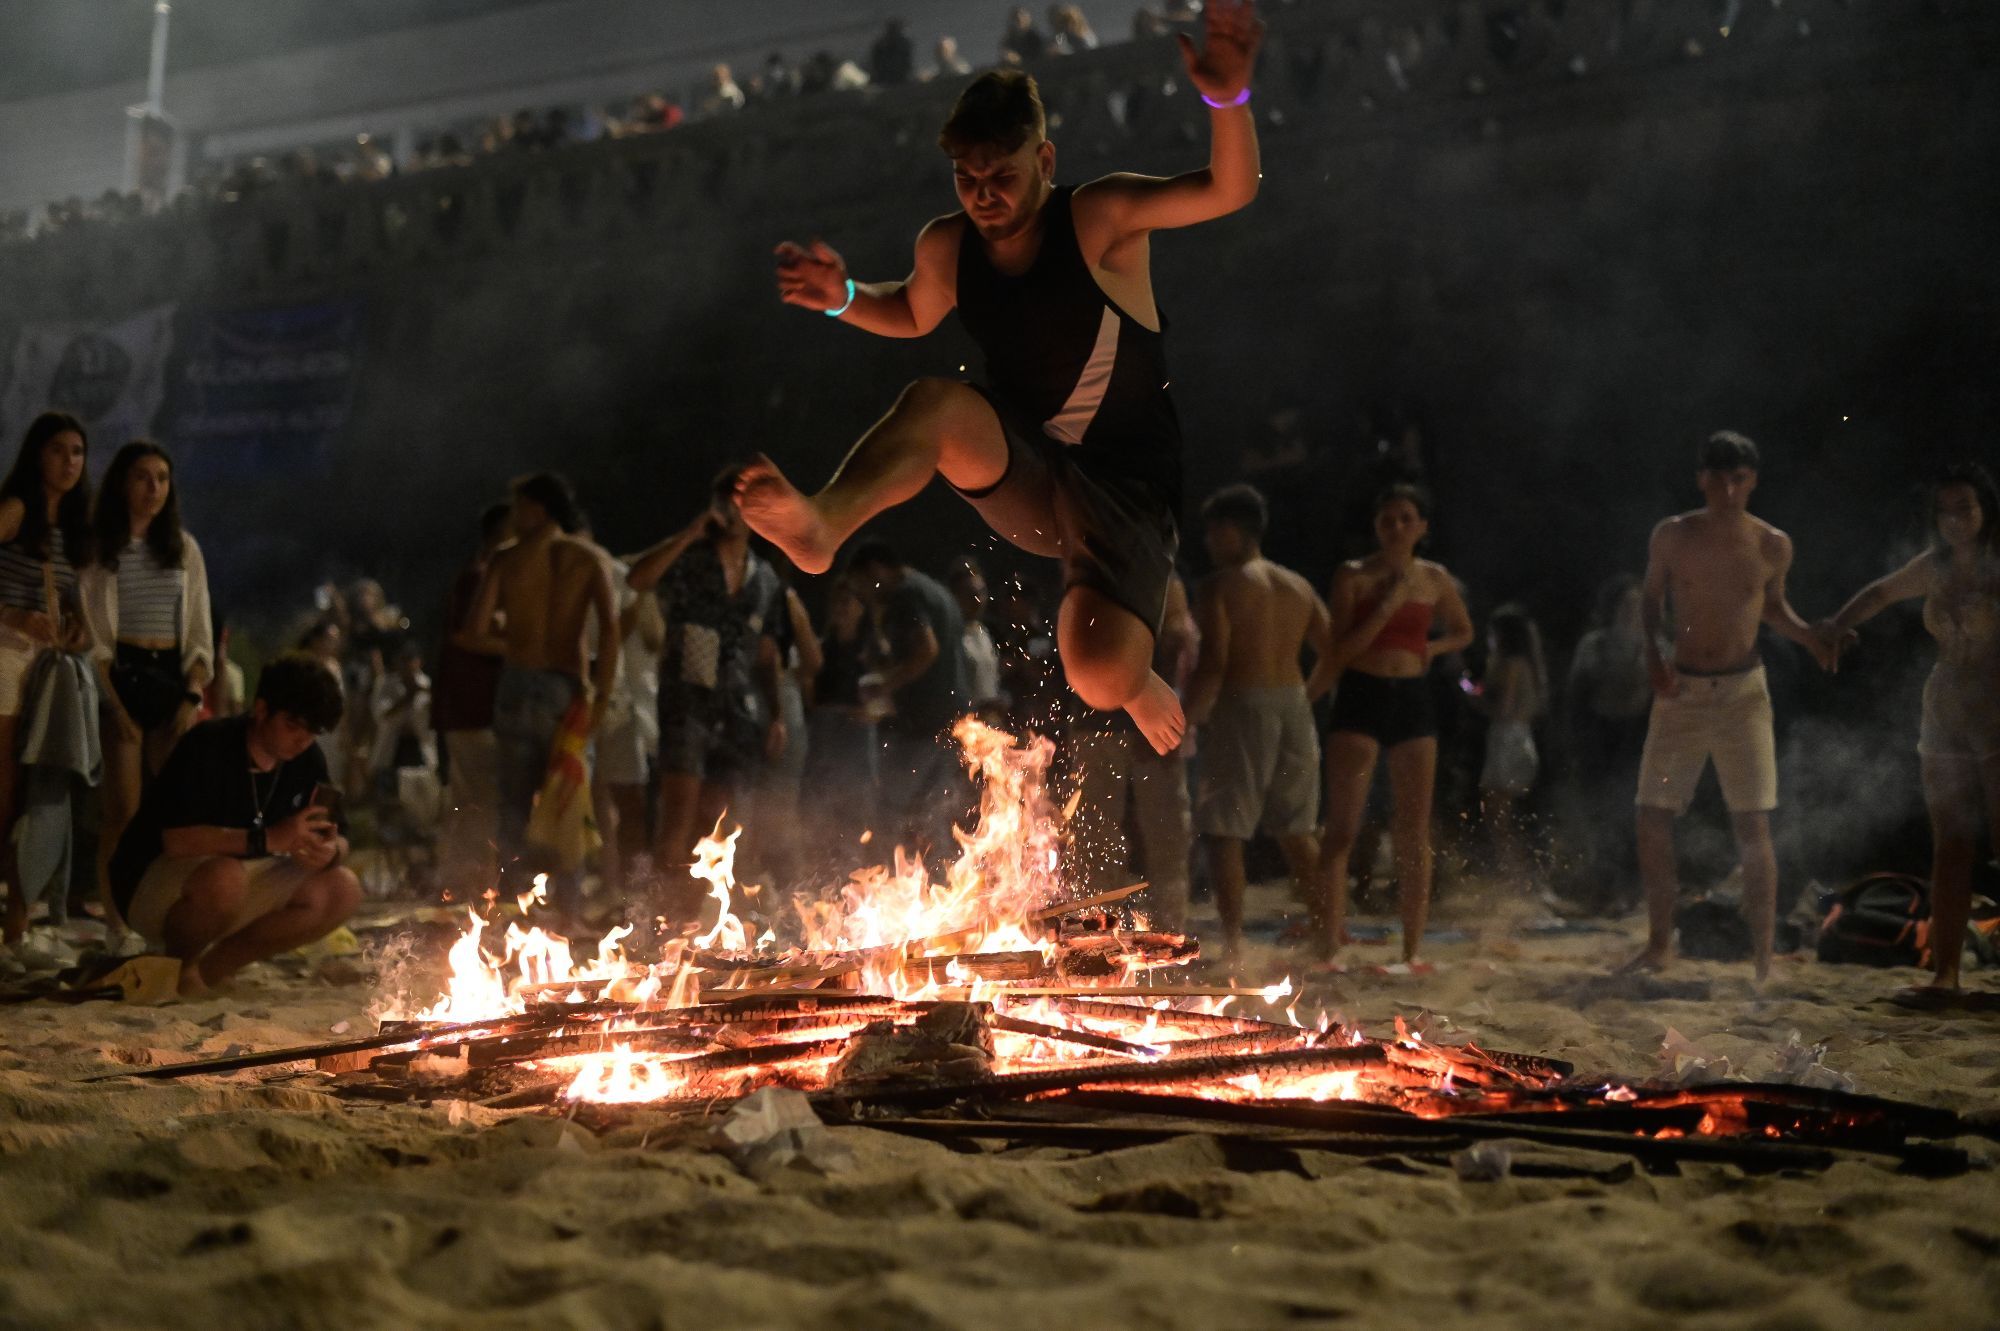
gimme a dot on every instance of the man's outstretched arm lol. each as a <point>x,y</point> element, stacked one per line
<point>814,277</point>
<point>1220,71</point>
<point>1778,612</point>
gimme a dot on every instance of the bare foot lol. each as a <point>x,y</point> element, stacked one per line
<point>776,511</point>
<point>192,986</point>
<point>1651,961</point>
<point>197,983</point>
<point>1157,713</point>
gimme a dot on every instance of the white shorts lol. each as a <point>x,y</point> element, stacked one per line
<point>270,883</point>
<point>1725,719</point>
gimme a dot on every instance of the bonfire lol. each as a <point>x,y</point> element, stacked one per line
<point>898,993</point>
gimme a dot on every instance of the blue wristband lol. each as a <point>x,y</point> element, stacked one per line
<point>1238,100</point>
<point>835,314</point>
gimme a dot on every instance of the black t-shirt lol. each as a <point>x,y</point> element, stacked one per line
<point>208,782</point>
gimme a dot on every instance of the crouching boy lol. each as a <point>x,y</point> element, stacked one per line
<point>231,858</point>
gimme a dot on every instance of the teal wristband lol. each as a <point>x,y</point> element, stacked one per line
<point>835,314</point>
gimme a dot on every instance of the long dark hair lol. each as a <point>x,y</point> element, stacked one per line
<point>24,483</point>
<point>114,510</point>
<point>1980,481</point>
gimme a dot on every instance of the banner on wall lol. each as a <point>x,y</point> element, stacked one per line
<point>111,376</point>
<point>266,389</point>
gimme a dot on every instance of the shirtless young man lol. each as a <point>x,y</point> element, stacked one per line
<point>1259,753</point>
<point>1072,448</point>
<point>1724,571</point>
<point>531,611</point>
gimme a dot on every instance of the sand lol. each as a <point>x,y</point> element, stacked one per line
<point>223,1202</point>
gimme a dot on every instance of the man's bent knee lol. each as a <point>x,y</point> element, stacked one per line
<point>219,884</point>
<point>1107,651</point>
<point>1105,684</point>
<point>340,891</point>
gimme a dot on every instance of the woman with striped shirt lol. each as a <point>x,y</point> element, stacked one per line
<point>44,538</point>
<point>147,605</point>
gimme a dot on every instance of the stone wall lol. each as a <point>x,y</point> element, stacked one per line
<point>1560,241</point>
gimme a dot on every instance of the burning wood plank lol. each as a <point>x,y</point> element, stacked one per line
<point>1170,1071</point>
<point>497,1053</point>
<point>1067,1035</point>
<point>1219,1022</point>
<point>1085,903</point>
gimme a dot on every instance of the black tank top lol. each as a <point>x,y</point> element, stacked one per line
<point>1066,362</point>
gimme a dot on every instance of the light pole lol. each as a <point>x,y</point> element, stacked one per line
<point>149,134</point>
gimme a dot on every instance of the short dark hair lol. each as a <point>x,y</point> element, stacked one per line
<point>1241,506</point>
<point>876,554</point>
<point>493,521</point>
<point>554,494</point>
<point>998,111</point>
<point>1726,450</point>
<point>1408,492</point>
<point>300,685</point>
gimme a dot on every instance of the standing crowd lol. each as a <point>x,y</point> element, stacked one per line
<point>651,695</point>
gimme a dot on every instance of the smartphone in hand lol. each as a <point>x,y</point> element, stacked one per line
<point>327,797</point>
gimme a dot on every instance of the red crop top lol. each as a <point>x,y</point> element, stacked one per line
<point>1408,629</point>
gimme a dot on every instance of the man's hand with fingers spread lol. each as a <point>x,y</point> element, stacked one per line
<point>812,277</point>
<point>1221,67</point>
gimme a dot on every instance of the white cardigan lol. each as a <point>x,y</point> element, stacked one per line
<point>100,610</point>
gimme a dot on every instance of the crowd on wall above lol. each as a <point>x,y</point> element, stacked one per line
<point>891,60</point>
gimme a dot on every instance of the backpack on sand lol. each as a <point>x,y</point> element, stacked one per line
<point>1881,920</point>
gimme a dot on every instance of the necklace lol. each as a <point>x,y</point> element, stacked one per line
<point>260,802</point>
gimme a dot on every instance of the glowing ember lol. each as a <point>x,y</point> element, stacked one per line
<point>623,1077</point>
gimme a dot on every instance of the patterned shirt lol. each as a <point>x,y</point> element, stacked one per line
<point>712,636</point>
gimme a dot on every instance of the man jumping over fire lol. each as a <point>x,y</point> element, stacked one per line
<point>1072,448</point>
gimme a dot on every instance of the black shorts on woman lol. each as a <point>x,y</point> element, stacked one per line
<point>1388,711</point>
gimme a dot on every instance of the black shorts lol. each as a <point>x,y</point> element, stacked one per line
<point>1114,535</point>
<point>1388,711</point>
<point>702,736</point>
<point>149,683</point>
